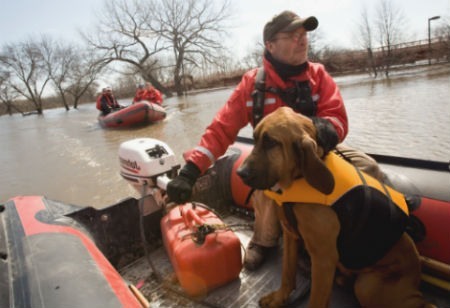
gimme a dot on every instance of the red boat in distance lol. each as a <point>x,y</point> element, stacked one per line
<point>138,114</point>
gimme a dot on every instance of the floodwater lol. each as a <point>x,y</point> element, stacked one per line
<point>68,157</point>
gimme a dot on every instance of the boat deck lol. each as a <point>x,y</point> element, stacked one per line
<point>242,292</point>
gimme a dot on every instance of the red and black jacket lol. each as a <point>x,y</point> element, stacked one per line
<point>238,110</point>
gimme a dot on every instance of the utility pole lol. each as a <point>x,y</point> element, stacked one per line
<point>429,37</point>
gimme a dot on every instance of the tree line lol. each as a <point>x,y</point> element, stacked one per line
<point>174,44</point>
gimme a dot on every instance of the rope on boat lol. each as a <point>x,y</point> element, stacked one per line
<point>158,276</point>
<point>201,231</point>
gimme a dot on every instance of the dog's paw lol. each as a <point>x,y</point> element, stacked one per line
<point>272,300</point>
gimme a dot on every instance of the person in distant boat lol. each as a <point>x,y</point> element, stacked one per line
<point>140,92</point>
<point>106,102</point>
<point>148,93</point>
<point>287,78</point>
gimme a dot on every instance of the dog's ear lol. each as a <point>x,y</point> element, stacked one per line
<point>314,169</point>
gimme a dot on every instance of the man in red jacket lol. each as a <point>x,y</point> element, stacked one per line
<point>290,80</point>
<point>140,92</point>
<point>148,93</point>
<point>153,95</point>
<point>106,102</point>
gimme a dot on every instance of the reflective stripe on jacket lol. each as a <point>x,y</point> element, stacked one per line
<point>237,112</point>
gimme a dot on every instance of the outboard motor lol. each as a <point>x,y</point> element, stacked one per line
<point>147,163</point>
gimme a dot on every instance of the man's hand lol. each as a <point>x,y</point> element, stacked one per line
<point>327,137</point>
<point>179,189</point>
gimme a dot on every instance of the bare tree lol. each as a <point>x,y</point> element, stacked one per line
<point>7,94</point>
<point>389,24</point>
<point>72,69</point>
<point>194,29</point>
<point>123,36</point>
<point>315,46</point>
<point>443,33</point>
<point>28,73</point>
<point>365,37</point>
<point>57,59</point>
<point>83,73</point>
<point>140,33</point>
<point>254,57</point>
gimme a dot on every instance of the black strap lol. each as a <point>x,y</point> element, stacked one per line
<point>290,217</point>
<point>298,97</point>
<point>342,155</point>
<point>392,204</point>
<point>258,96</point>
<point>250,193</point>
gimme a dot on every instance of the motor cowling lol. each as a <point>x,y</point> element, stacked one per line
<point>143,161</point>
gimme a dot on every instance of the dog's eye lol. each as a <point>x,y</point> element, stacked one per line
<point>269,143</point>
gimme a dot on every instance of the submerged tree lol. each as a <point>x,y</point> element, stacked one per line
<point>122,36</point>
<point>83,74</point>
<point>387,30</point>
<point>7,94</point>
<point>58,59</point>
<point>389,25</point>
<point>193,29</point>
<point>365,36</point>
<point>72,70</point>
<point>139,33</point>
<point>28,75</point>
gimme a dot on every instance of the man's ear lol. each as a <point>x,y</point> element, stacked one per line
<point>269,46</point>
<point>313,168</point>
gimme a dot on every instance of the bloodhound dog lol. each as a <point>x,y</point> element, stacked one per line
<point>384,265</point>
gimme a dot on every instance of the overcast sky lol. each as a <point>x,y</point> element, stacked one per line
<point>20,19</point>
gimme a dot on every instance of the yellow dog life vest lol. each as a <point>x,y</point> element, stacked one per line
<point>372,215</point>
<point>346,177</point>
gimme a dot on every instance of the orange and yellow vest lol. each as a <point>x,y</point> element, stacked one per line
<point>372,215</point>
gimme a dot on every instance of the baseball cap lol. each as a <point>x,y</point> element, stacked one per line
<point>288,21</point>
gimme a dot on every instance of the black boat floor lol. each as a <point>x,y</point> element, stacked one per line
<point>242,292</point>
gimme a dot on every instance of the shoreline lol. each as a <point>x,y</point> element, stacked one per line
<point>395,73</point>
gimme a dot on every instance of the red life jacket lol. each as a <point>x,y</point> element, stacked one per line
<point>152,95</point>
<point>139,95</point>
<point>99,103</point>
<point>109,100</point>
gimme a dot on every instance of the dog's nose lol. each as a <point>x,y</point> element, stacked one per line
<point>250,177</point>
<point>243,172</point>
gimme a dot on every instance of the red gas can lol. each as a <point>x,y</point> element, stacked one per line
<point>201,262</point>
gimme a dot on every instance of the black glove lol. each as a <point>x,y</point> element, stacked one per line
<point>327,137</point>
<point>179,189</point>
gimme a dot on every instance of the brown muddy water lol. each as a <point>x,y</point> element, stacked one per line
<point>68,157</point>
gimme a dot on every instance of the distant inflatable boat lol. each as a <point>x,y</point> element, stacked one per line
<point>139,114</point>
